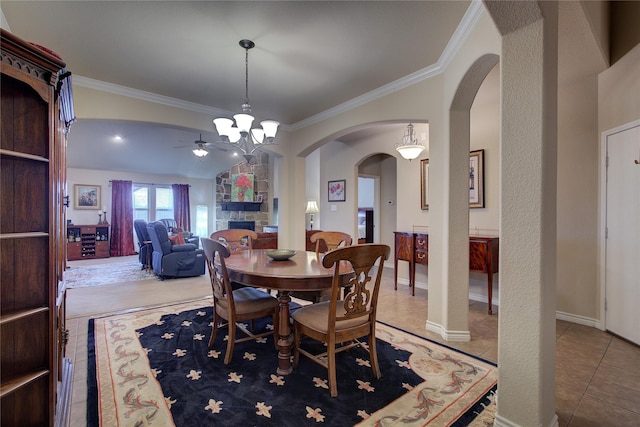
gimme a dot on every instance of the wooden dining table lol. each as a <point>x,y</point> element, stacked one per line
<point>302,272</point>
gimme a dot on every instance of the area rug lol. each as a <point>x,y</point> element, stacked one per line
<point>154,368</point>
<point>103,274</point>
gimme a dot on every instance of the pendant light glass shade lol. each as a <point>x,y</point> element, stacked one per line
<point>409,148</point>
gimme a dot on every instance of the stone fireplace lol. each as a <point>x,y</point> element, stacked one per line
<point>232,212</point>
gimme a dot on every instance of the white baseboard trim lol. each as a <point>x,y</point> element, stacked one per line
<point>580,320</point>
<point>503,422</point>
<point>448,335</point>
<point>560,315</point>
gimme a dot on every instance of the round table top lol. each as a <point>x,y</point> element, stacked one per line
<point>303,271</point>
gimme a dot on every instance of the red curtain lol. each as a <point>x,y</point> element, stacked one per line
<point>122,218</point>
<point>181,209</point>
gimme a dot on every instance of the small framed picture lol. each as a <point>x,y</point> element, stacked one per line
<point>259,198</point>
<point>337,190</point>
<point>86,196</point>
<point>424,184</point>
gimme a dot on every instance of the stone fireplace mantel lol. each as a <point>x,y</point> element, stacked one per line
<point>240,206</point>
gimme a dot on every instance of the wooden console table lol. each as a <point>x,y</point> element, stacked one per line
<point>414,248</point>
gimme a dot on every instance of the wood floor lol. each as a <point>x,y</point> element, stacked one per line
<point>597,374</point>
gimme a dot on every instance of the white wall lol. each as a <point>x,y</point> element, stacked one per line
<point>202,192</point>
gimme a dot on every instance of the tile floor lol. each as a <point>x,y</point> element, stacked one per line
<point>597,374</point>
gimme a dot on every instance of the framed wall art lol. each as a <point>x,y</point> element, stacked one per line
<point>476,181</point>
<point>336,190</point>
<point>424,184</point>
<point>242,187</point>
<point>86,196</point>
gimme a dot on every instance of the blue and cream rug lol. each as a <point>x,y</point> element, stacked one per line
<point>153,367</point>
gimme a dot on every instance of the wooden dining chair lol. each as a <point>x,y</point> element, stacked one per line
<point>235,305</point>
<point>324,239</point>
<point>332,239</point>
<point>235,239</point>
<point>345,320</point>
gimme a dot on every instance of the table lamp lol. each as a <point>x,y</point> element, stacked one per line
<point>312,207</point>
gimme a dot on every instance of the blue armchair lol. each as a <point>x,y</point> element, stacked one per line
<point>182,260</point>
<point>144,245</point>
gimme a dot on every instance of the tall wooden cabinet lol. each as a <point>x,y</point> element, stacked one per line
<point>34,375</point>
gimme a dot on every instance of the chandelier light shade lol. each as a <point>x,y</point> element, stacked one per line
<point>312,207</point>
<point>410,148</point>
<point>238,132</point>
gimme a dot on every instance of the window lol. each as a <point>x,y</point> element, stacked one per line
<point>152,202</point>
<point>202,220</point>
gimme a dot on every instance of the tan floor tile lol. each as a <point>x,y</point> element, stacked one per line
<point>616,386</point>
<point>593,412</point>
<point>622,354</point>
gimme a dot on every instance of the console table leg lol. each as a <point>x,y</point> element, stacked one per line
<point>490,291</point>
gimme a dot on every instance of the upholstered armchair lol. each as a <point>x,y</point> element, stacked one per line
<point>169,260</point>
<point>144,242</point>
<point>172,228</point>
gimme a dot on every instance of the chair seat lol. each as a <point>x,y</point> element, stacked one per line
<point>250,300</point>
<point>315,317</point>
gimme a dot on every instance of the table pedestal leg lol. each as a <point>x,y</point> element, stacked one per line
<point>285,339</point>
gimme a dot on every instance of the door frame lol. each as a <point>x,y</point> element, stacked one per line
<point>602,218</point>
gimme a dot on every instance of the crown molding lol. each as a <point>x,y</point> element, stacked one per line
<point>465,26</point>
<point>467,23</point>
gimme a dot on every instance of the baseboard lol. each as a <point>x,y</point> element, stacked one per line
<point>460,336</point>
<point>560,315</point>
<point>503,422</point>
<point>580,320</point>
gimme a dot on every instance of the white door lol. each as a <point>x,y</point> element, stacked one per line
<point>622,234</point>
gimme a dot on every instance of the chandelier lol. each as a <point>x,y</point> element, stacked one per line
<point>409,148</point>
<point>240,134</point>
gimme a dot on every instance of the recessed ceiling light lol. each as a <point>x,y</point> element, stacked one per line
<point>117,138</point>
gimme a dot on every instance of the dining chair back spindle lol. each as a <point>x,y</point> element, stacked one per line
<point>345,320</point>
<point>244,304</point>
<point>332,240</point>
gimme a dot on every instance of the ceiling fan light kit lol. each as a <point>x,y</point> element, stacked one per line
<point>239,133</point>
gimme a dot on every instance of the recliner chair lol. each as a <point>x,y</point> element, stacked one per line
<point>144,249</point>
<point>182,260</point>
<point>172,227</point>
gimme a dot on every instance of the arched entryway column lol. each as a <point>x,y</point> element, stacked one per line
<point>526,355</point>
<point>449,241</point>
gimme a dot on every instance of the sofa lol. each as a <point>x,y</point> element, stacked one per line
<point>173,260</point>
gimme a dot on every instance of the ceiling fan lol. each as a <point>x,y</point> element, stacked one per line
<point>200,149</point>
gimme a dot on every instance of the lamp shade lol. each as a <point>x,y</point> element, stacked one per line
<point>312,207</point>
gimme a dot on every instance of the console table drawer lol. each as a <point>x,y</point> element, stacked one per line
<point>422,257</point>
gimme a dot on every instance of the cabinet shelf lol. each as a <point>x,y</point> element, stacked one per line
<point>12,384</point>
<point>20,314</point>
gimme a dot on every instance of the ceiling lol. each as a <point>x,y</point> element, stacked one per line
<point>310,56</point>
